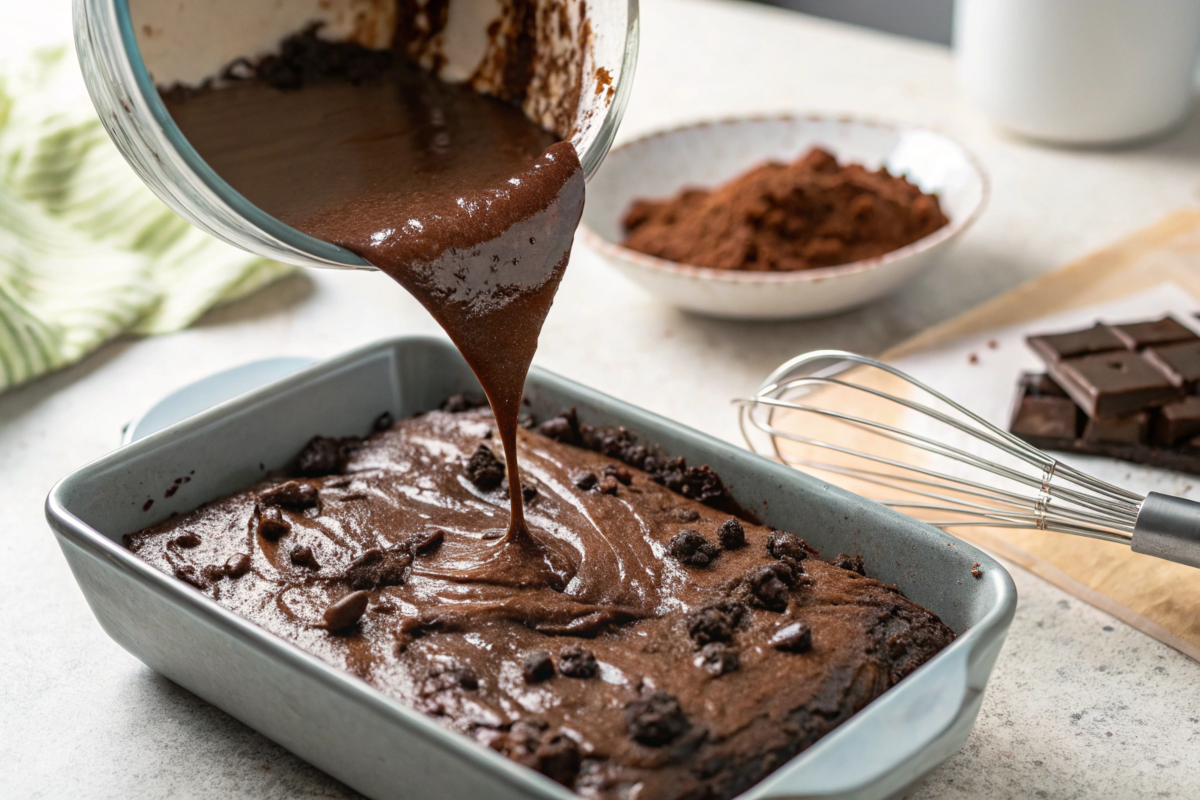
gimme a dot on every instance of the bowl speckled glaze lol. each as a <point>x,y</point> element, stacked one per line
<point>708,154</point>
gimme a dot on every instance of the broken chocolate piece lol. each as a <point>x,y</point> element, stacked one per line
<point>781,544</point>
<point>458,403</point>
<point>187,573</point>
<point>1131,429</point>
<point>623,475</point>
<point>1179,362</point>
<point>342,614</point>
<point>717,658</point>
<point>769,586</point>
<point>187,540</point>
<point>1176,421</point>
<point>484,469</point>
<point>656,719</point>
<point>793,638</point>
<point>608,485</point>
<point>691,548</point>
<point>377,568</point>
<point>270,524</point>
<point>1044,417</point>
<point>584,480</point>
<point>1039,383</point>
<point>731,534</point>
<point>528,492</point>
<point>1168,330</point>
<point>324,456</point>
<point>577,662</point>
<point>303,556</point>
<point>237,565</point>
<point>537,667</point>
<point>716,622</point>
<point>852,563</point>
<point>1058,346</point>
<point>294,495</point>
<point>1114,384</point>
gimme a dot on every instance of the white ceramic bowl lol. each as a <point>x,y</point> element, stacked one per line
<point>708,154</point>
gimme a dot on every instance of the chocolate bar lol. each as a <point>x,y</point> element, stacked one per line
<point>1129,391</point>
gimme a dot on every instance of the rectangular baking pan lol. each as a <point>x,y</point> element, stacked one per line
<point>382,748</point>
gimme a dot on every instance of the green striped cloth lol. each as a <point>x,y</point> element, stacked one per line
<point>87,252</point>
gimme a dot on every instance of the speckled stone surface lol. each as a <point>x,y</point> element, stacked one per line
<point>80,718</point>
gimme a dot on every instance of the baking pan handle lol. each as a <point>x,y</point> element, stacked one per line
<point>904,737</point>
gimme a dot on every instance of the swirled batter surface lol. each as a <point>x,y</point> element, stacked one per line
<point>686,653</point>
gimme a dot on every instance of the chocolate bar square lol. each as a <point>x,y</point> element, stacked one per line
<point>1167,330</point>
<point>1044,420</point>
<point>1176,421</point>
<point>1114,384</point>
<point>1179,362</point>
<point>1131,429</point>
<point>1057,346</point>
<point>1039,383</point>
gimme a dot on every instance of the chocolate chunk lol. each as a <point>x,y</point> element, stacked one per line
<point>1055,347</point>
<point>608,485</point>
<point>1045,417</point>
<point>793,638</point>
<point>237,565</point>
<point>324,456</point>
<point>347,611</point>
<point>1114,384</point>
<point>377,568</point>
<point>270,523</point>
<point>558,759</point>
<point>584,480</point>
<point>187,573</point>
<point>428,543</point>
<point>698,483</point>
<point>656,719</point>
<point>484,469</point>
<point>576,662</point>
<point>691,548</point>
<point>294,495</point>
<point>731,535</point>
<point>684,514</point>
<point>1179,362</point>
<point>1040,384</point>
<point>852,563</point>
<point>528,492</point>
<point>458,403</point>
<point>1132,429</point>
<point>621,474</point>
<point>383,422</point>
<point>768,586</point>
<point>537,667</point>
<point>563,428</point>
<point>303,556</point>
<point>717,658</point>
<point>1168,330</point>
<point>187,540</point>
<point>716,622</point>
<point>781,544</point>
<point>1176,421</point>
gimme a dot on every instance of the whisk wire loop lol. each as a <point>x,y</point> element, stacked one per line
<point>1012,484</point>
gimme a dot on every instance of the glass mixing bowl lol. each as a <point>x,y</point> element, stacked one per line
<point>125,95</point>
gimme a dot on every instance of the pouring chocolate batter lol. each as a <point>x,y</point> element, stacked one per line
<point>456,196</point>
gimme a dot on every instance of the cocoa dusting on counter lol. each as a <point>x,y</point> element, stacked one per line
<point>786,217</point>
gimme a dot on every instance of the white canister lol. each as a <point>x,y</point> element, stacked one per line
<point>1079,71</point>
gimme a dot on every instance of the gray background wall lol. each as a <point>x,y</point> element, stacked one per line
<point>921,19</point>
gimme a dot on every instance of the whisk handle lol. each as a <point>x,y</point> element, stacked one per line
<point>1168,527</point>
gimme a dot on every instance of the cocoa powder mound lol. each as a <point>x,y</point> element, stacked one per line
<point>783,217</point>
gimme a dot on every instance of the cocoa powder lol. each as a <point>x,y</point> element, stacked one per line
<point>783,217</point>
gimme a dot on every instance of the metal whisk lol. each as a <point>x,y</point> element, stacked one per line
<point>865,421</point>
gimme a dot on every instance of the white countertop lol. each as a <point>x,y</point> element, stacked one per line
<point>1080,705</point>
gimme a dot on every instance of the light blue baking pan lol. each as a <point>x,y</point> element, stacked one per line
<point>382,748</point>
